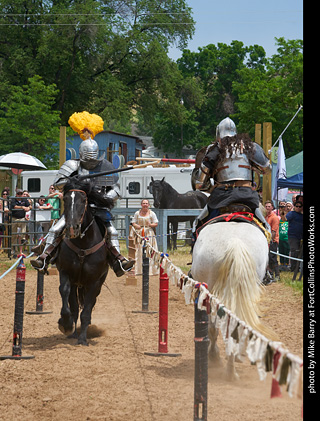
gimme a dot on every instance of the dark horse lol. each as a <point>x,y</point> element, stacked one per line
<point>166,197</point>
<point>82,259</point>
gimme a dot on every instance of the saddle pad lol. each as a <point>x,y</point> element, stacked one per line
<point>236,217</point>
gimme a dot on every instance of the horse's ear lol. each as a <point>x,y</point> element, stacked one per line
<point>152,179</point>
<point>162,180</point>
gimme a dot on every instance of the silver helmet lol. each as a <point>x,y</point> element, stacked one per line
<point>226,127</point>
<point>88,153</point>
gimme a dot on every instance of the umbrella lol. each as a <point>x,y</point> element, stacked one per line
<point>21,160</point>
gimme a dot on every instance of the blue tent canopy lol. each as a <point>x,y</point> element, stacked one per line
<point>296,182</point>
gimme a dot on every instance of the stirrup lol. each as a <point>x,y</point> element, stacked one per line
<point>121,267</point>
<point>40,265</point>
<point>127,265</point>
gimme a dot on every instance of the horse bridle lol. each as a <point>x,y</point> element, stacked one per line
<point>85,209</point>
<point>82,253</point>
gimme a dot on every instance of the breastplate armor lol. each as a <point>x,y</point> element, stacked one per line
<point>102,182</point>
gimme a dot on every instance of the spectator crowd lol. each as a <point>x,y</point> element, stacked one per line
<point>286,224</point>
<point>25,220</point>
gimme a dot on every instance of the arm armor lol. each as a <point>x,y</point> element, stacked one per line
<point>211,156</point>
<point>114,193</point>
<point>259,160</point>
<point>66,170</point>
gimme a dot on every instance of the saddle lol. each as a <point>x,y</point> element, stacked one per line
<point>236,213</point>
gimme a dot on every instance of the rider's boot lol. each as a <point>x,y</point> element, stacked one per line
<point>120,264</point>
<point>198,221</point>
<point>42,261</point>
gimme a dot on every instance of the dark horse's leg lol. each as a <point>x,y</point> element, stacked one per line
<point>66,320</point>
<point>175,235</point>
<point>89,302</point>
<point>74,307</point>
<point>168,235</point>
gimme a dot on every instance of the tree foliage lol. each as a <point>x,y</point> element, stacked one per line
<point>28,124</point>
<point>240,82</point>
<point>86,48</point>
<point>110,57</point>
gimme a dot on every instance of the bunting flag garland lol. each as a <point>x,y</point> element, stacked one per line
<point>275,388</point>
<point>240,339</point>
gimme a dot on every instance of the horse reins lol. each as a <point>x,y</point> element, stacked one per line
<point>82,253</point>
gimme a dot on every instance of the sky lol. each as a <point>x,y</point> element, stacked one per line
<point>250,21</point>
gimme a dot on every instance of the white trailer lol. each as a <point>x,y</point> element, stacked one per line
<point>38,182</point>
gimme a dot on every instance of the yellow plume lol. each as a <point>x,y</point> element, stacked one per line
<point>78,121</point>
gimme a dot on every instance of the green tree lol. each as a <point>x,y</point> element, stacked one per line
<point>28,123</point>
<point>103,56</point>
<point>206,85</point>
<point>273,95</point>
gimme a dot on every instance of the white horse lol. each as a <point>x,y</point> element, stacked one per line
<point>232,257</point>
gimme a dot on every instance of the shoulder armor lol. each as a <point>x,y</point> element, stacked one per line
<point>211,155</point>
<point>259,159</point>
<point>66,169</point>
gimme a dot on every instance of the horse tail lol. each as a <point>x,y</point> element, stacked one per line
<point>238,287</point>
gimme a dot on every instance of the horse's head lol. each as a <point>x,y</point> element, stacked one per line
<point>156,189</point>
<point>75,206</point>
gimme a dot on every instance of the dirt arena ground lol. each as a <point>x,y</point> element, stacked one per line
<point>112,379</point>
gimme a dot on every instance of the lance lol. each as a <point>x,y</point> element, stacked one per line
<point>175,160</point>
<point>130,167</point>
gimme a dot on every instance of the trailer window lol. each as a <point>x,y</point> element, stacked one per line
<point>34,185</point>
<point>134,187</point>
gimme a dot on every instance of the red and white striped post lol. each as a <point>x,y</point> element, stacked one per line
<point>163,318</point>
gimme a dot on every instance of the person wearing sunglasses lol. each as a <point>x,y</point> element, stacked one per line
<point>19,206</point>
<point>4,216</point>
<point>295,230</point>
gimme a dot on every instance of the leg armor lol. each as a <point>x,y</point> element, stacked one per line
<point>113,236</point>
<point>120,264</point>
<point>203,214</point>
<point>51,242</point>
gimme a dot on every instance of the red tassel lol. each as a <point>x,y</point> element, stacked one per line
<point>275,388</point>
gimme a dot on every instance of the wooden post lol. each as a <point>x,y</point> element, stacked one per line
<point>267,144</point>
<point>257,139</point>
<point>62,154</point>
<point>63,145</point>
<point>131,279</point>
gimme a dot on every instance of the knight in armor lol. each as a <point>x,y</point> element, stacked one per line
<point>230,161</point>
<point>108,186</point>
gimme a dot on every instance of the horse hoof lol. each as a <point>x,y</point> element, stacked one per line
<point>232,377</point>
<point>66,330</point>
<point>82,342</point>
<point>74,335</point>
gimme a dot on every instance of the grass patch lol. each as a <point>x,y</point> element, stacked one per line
<point>286,278</point>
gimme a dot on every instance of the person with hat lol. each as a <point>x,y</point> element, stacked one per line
<point>87,125</point>
<point>19,207</point>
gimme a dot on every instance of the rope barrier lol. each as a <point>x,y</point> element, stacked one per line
<point>19,258</point>
<point>227,326</point>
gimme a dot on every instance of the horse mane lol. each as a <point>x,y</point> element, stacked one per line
<point>94,197</point>
<point>167,186</point>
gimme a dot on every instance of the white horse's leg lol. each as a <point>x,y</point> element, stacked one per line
<point>231,374</point>
<point>214,353</point>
